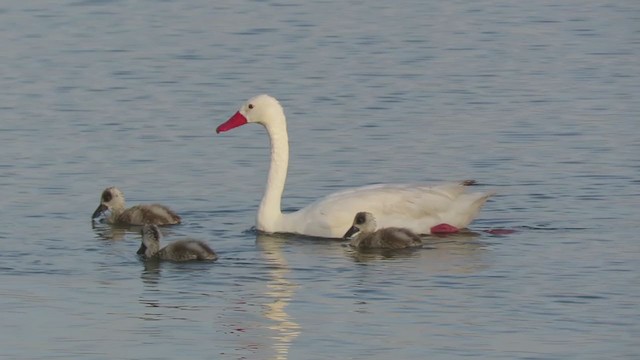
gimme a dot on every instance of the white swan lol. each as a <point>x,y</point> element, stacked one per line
<point>420,208</point>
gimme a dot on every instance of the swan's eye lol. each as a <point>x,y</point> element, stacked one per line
<point>360,219</point>
<point>250,106</point>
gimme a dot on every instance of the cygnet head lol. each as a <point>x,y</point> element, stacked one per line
<point>150,240</point>
<point>262,109</point>
<point>363,223</point>
<point>111,199</point>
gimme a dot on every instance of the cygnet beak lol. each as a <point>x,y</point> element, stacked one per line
<point>101,209</point>
<point>352,231</point>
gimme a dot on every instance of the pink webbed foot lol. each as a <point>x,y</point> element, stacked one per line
<point>444,229</point>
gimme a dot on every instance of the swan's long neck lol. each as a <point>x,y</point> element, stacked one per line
<point>270,213</point>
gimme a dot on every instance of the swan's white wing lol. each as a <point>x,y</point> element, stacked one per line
<point>417,207</point>
<point>407,199</point>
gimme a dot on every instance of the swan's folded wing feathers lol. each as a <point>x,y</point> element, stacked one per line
<point>404,200</point>
<point>420,201</point>
<point>418,207</point>
<point>391,198</point>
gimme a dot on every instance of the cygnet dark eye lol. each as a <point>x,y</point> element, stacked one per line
<point>107,196</point>
<point>250,106</point>
<point>360,219</point>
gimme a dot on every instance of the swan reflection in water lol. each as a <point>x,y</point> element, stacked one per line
<point>281,290</point>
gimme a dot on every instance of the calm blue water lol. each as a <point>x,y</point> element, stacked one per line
<point>537,100</point>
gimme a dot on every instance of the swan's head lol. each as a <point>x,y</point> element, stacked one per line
<point>111,199</point>
<point>261,109</point>
<point>363,223</point>
<point>150,240</point>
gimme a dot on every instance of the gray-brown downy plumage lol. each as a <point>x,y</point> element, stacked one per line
<point>180,250</point>
<point>112,199</point>
<point>363,235</point>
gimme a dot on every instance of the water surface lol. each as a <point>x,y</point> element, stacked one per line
<point>536,100</point>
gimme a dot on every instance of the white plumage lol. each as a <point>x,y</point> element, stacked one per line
<point>414,206</point>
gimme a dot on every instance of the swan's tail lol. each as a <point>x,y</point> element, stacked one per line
<point>470,206</point>
<point>481,198</point>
